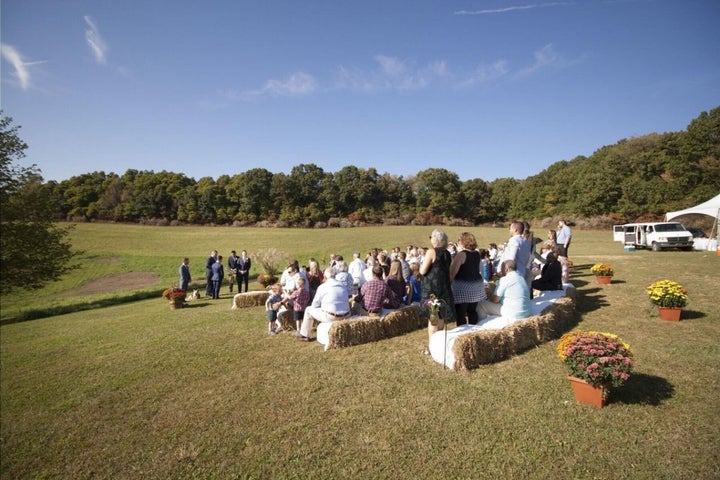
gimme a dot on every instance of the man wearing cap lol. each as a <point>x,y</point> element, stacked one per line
<point>329,304</point>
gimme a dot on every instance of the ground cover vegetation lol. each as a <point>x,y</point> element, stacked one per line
<point>638,178</point>
<point>136,390</point>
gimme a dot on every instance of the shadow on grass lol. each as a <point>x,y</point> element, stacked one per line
<point>588,300</point>
<point>691,315</point>
<point>643,389</point>
<point>40,313</point>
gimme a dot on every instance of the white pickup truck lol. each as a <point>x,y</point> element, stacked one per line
<point>654,235</point>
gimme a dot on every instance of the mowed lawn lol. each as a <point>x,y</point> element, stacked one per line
<point>135,390</point>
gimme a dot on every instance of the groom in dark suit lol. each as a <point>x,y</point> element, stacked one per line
<point>209,273</point>
<point>242,265</point>
<point>184,274</point>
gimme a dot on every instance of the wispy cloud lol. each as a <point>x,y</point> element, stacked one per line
<point>297,84</point>
<point>484,74</point>
<point>391,74</point>
<point>544,58</point>
<point>95,41</point>
<point>512,8</point>
<point>15,58</point>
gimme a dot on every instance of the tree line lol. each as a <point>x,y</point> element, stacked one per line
<point>639,177</point>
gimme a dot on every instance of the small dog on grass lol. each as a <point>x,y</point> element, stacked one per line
<point>193,296</point>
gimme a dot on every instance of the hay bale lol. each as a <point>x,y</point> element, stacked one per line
<point>483,347</point>
<point>564,311</point>
<point>489,346</point>
<point>404,320</point>
<point>250,299</point>
<point>555,320</point>
<point>571,293</point>
<point>356,331</point>
<point>522,336</point>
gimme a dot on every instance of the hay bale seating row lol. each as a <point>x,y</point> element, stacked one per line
<point>345,333</point>
<point>359,330</point>
<point>468,349</point>
<point>470,346</point>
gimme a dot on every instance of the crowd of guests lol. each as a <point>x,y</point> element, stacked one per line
<point>468,282</point>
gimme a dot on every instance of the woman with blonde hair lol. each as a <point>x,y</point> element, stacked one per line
<point>396,282</point>
<point>314,276</point>
<point>435,271</point>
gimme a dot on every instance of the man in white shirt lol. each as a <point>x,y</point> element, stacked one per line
<point>355,269</point>
<point>405,265</point>
<point>511,299</point>
<point>564,235</point>
<point>517,248</point>
<point>329,304</point>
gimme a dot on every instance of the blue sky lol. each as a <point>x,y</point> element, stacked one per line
<point>484,88</point>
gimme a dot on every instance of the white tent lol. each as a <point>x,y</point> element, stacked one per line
<point>711,208</point>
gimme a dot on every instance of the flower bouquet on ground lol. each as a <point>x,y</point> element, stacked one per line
<point>666,293</point>
<point>434,305</point>
<point>602,270</point>
<point>600,359</point>
<point>175,295</point>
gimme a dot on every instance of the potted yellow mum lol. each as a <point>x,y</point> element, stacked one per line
<point>670,297</point>
<point>603,272</point>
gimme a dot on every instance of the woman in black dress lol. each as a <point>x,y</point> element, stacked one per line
<point>435,271</point>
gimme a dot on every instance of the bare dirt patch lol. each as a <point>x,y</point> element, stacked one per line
<point>119,283</point>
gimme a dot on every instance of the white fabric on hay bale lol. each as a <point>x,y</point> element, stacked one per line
<point>538,304</point>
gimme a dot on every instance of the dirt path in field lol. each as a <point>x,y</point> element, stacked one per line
<point>119,283</point>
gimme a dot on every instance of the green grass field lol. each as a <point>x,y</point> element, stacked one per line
<point>123,387</point>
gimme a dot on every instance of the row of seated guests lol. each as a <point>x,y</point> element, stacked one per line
<point>388,281</point>
<point>374,290</point>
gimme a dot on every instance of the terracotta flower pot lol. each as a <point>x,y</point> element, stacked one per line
<point>588,394</point>
<point>671,314</point>
<point>603,280</point>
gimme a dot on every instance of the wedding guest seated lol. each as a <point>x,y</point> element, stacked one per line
<point>342,275</point>
<point>331,303</point>
<point>551,276</point>
<point>511,299</point>
<point>374,294</point>
<point>397,284</point>
<point>540,259</point>
<point>413,284</point>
